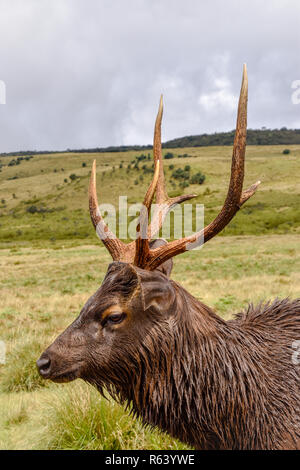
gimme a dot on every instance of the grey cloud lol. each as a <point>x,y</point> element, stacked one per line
<point>89,73</point>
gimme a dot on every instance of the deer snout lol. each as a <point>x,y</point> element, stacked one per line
<point>44,365</point>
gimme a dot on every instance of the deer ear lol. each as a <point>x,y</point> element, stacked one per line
<point>157,291</point>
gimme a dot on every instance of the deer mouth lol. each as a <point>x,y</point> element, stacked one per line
<point>64,377</point>
<point>47,370</point>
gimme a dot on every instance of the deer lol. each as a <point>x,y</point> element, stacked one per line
<point>172,361</point>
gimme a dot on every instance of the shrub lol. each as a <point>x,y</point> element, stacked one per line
<point>180,174</point>
<point>73,177</point>
<point>198,178</point>
<point>32,209</point>
<point>139,158</point>
<point>83,164</point>
<point>168,155</point>
<point>171,167</point>
<point>286,151</point>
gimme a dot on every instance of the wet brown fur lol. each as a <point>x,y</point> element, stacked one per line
<point>178,366</point>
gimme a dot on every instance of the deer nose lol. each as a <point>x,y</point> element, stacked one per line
<point>44,365</point>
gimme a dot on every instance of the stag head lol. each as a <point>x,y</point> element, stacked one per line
<point>137,300</point>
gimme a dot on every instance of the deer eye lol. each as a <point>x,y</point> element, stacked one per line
<point>115,318</point>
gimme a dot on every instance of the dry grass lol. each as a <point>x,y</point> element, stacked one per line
<point>50,263</point>
<point>43,291</point>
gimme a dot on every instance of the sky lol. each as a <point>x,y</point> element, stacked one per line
<point>89,73</point>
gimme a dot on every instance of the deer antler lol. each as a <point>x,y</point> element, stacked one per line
<point>163,201</point>
<point>138,252</point>
<point>115,246</point>
<point>235,196</point>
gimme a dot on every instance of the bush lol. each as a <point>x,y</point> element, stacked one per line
<point>73,177</point>
<point>198,178</point>
<point>286,151</point>
<point>171,167</point>
<point>139,158</point>
<point>168,155</point>
<point>83,164</point>
<point>180,174</point>
<point>32,209</point>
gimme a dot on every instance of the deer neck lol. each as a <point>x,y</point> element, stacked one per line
<point>169,389</point>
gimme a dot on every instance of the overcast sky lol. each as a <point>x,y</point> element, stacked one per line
<point>87,73</point>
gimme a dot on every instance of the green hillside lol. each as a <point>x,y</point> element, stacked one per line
<point>51,262</point>
<point>44,199</point>
<point>262,136</point>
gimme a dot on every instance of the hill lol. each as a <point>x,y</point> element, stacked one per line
<point>263,136</point>
<point>44,198</point>
<point>51,262</point>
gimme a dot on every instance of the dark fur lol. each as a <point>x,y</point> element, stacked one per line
<point>177,365</point>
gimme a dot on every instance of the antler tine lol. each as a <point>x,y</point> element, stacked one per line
<point>164,202</point>
<point>111,242</point>
<point>142,240</point>
<point>235,197</point>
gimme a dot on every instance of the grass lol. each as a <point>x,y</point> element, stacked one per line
<point>61,208</point>
<point>51,262</point>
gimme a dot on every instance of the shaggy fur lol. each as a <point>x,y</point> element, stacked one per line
<point>178,366</point>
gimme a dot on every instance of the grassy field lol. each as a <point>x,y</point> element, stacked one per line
<point>51,262</point>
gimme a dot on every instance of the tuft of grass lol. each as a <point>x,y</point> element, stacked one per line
<point>17,415</point>
<point>78,418</point>
<point>20,372</point>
